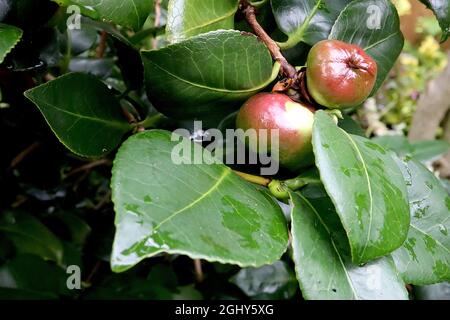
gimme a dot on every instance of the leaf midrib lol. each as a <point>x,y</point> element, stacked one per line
<point>31,237</point>
<point>111,123</point>
<point>263,85</point>
<point>437,241</point>
<point>193,203</point>
<point>366,172</point>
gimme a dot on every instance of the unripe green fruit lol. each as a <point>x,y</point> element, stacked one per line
<point>340,75</point>
<point>294,121</point>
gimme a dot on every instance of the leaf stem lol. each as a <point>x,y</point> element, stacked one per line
<point>253,179</point>
<point>152,121</point>
<point>249,11</point>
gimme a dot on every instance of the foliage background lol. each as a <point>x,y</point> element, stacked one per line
<point>60,204</point>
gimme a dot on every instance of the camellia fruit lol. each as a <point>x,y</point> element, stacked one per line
<point>294,121</point>
<point>340,75</point>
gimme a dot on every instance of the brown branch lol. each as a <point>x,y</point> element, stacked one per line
<point>199,277</point>
<point>105,199</point>
<point>22,155</point>
<point>101,49</point>
<point>157,21</point>
<point>94,270</point>
<point>250,15</point>
<point>88,167</point>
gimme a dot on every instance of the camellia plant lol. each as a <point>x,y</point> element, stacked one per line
<point>364,222</point>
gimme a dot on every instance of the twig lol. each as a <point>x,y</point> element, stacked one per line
<point>199,277</point>
<point>23,154</point>
<point>100,52</point>
<point>88,280</point>
<point>253,179</point>
<point>88,167</point>
<point>249,11</point>
<point>157,21</point>
<point>105,199</point>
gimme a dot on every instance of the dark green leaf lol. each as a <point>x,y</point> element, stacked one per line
<point>322,258</point>
<point>200,210</point>
<point>128,13</point>
<point>44,277</point>
<point>398,144</point>
<point>209,73</point>
<point>429,150</point>
<point>441,9</point>
<point>439,291</point>
<point>29,235</point>
<point>425,256</point>
<point>82,112</point>
<point>423,151</point>
<point>187,293</point>
<point>366,186</point>
<point>306,20</point>
<point>187,18</point>
<point>130,63</point>
<point>9,37</point>
<point>374,25</point>
<point>78,228</point>
<point>276,281</point>
<point>351,126</point>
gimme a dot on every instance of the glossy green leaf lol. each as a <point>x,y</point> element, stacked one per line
<point>200,210</point>
<point>441,9</point>
<point>9,37</point>
<point>209,73</point>
<point>322,257</point>
<point>275,281</point>
<point>29,235</point>
<point>374,25</point>
<point>429,150</point>
<point>82,112</point>
<point>397,143</point>
<point>187,18</point>
<point>425,256</point>
<point>306,20</point>
<point>128,13</point>
<point>423,151</point>
<point>366,186</point>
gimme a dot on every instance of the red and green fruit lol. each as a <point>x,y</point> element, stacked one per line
<point>340,75</point>
<point>294,121</point>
